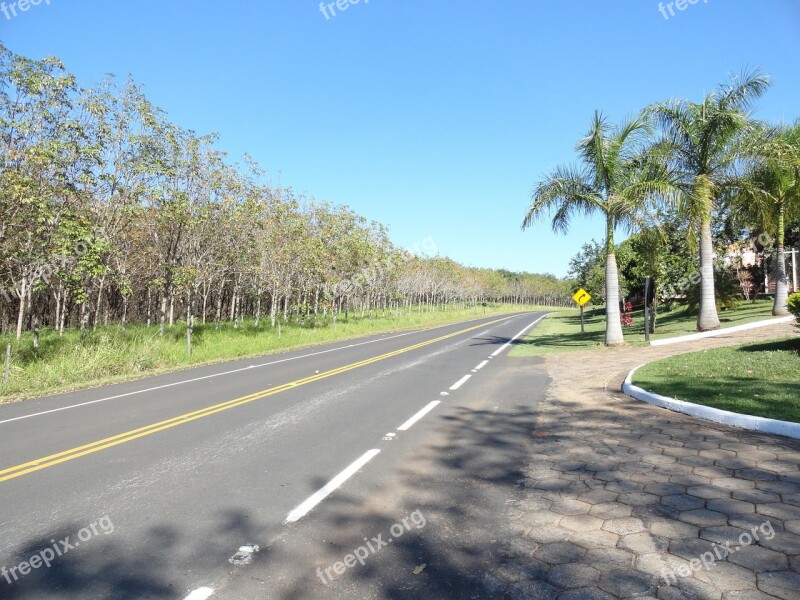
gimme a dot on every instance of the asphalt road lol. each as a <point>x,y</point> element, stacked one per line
<point>147,489</point>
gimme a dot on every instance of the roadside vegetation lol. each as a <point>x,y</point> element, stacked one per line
<point>129,244</point>
<point>110,354</point>
<point>561,331</point>
<point>758,379</point>
<point>700,185</point>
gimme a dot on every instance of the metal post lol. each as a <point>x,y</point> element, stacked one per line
<point>794,269</point>
<point>582,329</point>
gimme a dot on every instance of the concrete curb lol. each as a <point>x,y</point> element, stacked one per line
<point>761,424</point>
<point>716,332</point>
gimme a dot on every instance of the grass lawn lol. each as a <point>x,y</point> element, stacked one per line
<point>110,355</point>
<point>561,332</point>
<point>761,379</point>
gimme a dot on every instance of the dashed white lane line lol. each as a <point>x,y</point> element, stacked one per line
<point>483,364</point>
<point>304,508</point>
<point>512,340</point>
<point>460,382</point>
<point>407,425</point>
<point>200,594</point>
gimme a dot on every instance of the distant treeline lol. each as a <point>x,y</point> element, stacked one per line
<point>111,213</point>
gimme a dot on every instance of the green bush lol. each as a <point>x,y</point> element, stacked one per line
<point>794,305</point>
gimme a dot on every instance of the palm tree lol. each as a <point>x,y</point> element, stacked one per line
<point>704,142</point>
<point>615,178</point>
<point>769,196</point>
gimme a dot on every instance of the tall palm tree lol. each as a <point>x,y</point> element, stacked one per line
<point>704,142</point>
<point>615,178</point>
<point>769,196</point>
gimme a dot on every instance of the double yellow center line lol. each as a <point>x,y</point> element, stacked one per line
<point>67,455</point>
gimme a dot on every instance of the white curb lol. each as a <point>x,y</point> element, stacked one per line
<point>723,331</point>
<point>725,417</point>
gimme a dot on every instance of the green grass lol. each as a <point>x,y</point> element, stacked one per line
<point>110,355</point>
<point>561,332</point>
<point>761,379</point>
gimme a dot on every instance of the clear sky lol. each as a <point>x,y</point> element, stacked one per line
<point>435,117</point>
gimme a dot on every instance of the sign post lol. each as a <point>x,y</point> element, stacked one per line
<point>581,297</point>
<point>647,309</point>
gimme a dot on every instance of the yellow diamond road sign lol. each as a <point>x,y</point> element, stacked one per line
<point>581,297</point>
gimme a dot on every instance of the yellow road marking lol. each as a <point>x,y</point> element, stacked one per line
<point>67,455</point>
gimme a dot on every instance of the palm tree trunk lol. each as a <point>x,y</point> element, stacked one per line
<point>779,306</point>
<point>707,319</point>
<point>614,335</point>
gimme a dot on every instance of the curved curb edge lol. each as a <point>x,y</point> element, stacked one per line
<point>722,331</point>
<point>760,424</point>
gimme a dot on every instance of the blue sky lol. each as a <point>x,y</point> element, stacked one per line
<point>433,117</point>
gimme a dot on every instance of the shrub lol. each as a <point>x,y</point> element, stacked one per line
<point>794,305</point>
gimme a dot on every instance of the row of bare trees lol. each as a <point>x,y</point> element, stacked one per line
<point>110,213</point>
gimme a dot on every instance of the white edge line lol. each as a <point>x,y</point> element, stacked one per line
<point>483,364</point>
<point>704,334</point>
<point>520,334</point>
<point>307,505</point>
<point>460,382</point>
<point>200,594</point>
<point>708,413</point>
<point>407,425</point>
<point>268,364</point>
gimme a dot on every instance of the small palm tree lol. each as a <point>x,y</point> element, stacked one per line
<point>769,196</point>
<point>615,178</point>
<point>704,142</point>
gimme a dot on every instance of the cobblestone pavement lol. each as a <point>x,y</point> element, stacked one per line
<point>625,500</point>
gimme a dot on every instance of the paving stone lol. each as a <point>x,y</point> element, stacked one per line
<point>608,559</point>
<point>783,584</point>
<point>674,529</point>
<point>755,496</point>
<point>586,594</point>
<point>732,483</point>
<point>531,590</point>
<point>624,486</point>
<point>748,522</point>
<point>730,506</point>
<point>746,595</point>
<point>792,526</point>
<point>722,535</point>
<point>624,525</point>
<point>690,549</point>
<point>703,518</point>
<point>541,517</point>
<point>628,584</point>
<point>580,523</point>
<point>548,534</point>
<point>778,466</point>
<point>787,543</point>
<point>573,576</point>
<point>778,487</point>
<point>641,543</point>
<point>665,489</point>
<point>708,492</point>
<point>610,510</point>
<point>694,589</point>
<point>594,539</point>
<point>756,474</point>
<point>779,511</point>
<point>683,502</point>
<point>598,497</point>
<point>571,507</point>
<point>638,499</point>
<point>759,559</point>
<point>558,553</point>
<point>727,577</point>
